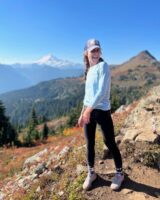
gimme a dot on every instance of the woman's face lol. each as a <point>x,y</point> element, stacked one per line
<point>94,56</point>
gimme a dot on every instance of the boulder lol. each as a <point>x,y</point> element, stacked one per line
<point>143,123</point>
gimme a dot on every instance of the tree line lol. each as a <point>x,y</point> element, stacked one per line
<point>9,133</point>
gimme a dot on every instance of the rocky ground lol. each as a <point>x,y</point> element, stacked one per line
<point>140,183</point>
<point>58,170</point>
<point>55,173</point>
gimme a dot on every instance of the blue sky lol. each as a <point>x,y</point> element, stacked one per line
<point>30,29</point>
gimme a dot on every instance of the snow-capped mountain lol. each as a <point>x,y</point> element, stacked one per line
<point>53,61</point>
<point>47,68</point>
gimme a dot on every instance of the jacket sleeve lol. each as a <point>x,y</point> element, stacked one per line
<point>103,86</point>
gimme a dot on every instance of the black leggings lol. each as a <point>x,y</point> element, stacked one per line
<point>103,118</point>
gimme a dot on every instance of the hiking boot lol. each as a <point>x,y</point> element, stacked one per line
<point>91,177</point>
<point>117,181</point>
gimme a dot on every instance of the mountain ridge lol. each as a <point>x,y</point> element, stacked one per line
<point>142,58</point>
<point>33,73</point>
<point>128,84</point>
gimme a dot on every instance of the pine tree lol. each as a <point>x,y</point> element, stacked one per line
<point>45,131</point>
<point>28,138</point>
<point>115,101</point>
<point>32,133</point>
<point>7,133</point>
<point>33,119</point>
<point>74,115</point>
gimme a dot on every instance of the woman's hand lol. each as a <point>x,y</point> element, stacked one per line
<point>86,115</point>
<point>80,121</point>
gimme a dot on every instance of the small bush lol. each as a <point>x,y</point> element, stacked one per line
<point>150,159</point>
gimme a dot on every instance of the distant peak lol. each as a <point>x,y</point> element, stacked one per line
<point>47,58</point>
<point>146,54</point>
<point>53,61</point>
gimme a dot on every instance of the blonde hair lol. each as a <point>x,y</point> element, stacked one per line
<point>86,64</point>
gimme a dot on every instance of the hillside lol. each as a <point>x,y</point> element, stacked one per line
<point>51,99</point>
<point>130,81</point>
<point>57,169</point>
<point>15,79</point>
<point>141,70</point>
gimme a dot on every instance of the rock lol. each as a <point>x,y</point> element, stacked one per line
<point>127,191</point>
<point>48,163</point>
<point>35,158</point>
<point>57,169</point>
<point>106,152</point>
<point>60,193</point>
<point>63,152</point>
<point>143,123</point>
<point>40,168</point>
<point>49,173</point>
<point>81,147</point>
<point>52,158</point>
<point>130,135</point>
<point>118,139</point>
<point>2,196</point>
<point>146,137</point>
<point>137,196</point>
<point>110,172</point>
<point>33,176</point>
<point>38,189</point>
<point>101,162</point>
<point>80,169</point>
<point>149,107</point>
<point>23,182</point>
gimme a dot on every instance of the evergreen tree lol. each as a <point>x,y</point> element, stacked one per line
<point>33,120</point>
<point>7,133</point>
<point>32,133</point>
<point>28,138</point>
<point>74,115</point>
<point>45,131</point>
<point>42,119</point>
<point>115,102</point>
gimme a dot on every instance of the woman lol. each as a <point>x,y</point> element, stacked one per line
<point>96,109</point>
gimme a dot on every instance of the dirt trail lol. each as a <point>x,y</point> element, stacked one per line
<point>141,183</point>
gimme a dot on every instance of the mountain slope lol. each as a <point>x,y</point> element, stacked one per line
<point>37,73</point>
<point>11,80</point>
<point>141,70</point>
<point>50,98</point>
<point>142,58</point>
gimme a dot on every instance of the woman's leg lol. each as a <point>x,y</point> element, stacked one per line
<point>106,123</point>
<point>89,131</point>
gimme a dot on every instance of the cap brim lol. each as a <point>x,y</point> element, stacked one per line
<point>93,47</point>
